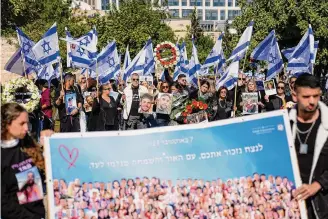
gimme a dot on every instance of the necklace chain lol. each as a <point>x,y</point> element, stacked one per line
<point>224,105</point>
<point>298,132</point>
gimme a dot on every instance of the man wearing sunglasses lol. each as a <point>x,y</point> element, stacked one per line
<point>130,101</point>
<point>241,84</point>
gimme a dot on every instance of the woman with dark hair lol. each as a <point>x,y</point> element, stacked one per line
<point>204,90</point>
<point>223,106</point>
<point>165,87</point>
<point>21,157</point>
<point>104,109</point>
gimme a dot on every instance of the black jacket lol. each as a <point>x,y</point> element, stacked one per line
<point>319,170</point>
<point>99,115</point>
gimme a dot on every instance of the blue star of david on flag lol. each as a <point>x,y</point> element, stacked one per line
<point>80,51</point>
<point>46,47</point>
<point>85,41</point>
<point>26,47</point>
<point>111,62</point>
<point>272,58</point>
<point>146,60</point>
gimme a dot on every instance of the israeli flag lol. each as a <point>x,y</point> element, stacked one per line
<point>230,77</point>
<point>289,51</point>
<point>46,51</point>
<point>194,67</point>
<point>107,63</point>
<point>15,63</point>
<point>162,76</point>
<point>47,73</point>
<point>136,66</point>
<point>303,54</point>
<point>91,73</point>
<point>26,44</point>
<point>239,52</point>
<point>215,55</point>
<point>149,58</point>
<point>127,58</point>
<point>182,65</point>
<point>268,50</point>
<point>81,51</point>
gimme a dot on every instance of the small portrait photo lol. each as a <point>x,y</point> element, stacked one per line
<point>146,103</point>
<point>250,101</point>
<point>142,81</point>
<point>202,117</point>
<point>29,186</point>
<point>70,103</point>
<point>149,80</point>
<point>164,103</point>
<point>192,118</point>
<point>87,96</point>
<point>270,87</point>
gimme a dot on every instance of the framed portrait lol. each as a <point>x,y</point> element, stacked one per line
<point>70,103</point>
<point>270,87</point>
<point>146,103</point>
<point>164,103</point>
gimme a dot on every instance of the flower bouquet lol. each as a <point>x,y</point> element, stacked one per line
<point>194,112</point>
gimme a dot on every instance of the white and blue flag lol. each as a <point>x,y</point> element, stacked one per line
<point>46,51</point>
<point>194,66</point>
<point>230,77</point>
<point>240,50</point>
<point>107,63</point>
<point>302,58</point>
<point>15,63</point>
<point>136,65</point>
<point>289,51</point>
<point>215,55</point>
<point>127,58</point>
<point>81,51</point>
<point>182,65</point>
<point>149,58</point>
<point>268,50</point>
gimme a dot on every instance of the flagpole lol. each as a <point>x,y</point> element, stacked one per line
<point>61,74</point>
<point>97,76</point>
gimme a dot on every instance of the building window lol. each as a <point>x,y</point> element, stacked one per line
<point>211,15</point>
<point>196,2</point>
<point>184,2</point>
<point>218,2</point>
<point>230,3</point>
<point>222,15</point>
<point>186,13</point>
<point>200,14</point>
<point>173,2</point>
<point>232,14</point>
<point>207,2</point>
<point>104,4</point>
<point>174,13</point>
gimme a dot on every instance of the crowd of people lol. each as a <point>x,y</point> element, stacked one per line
<point>119,105</point>
<point>257,196</point>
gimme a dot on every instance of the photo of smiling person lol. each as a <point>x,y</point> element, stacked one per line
<point>146,103</point>
<point>164,103</point>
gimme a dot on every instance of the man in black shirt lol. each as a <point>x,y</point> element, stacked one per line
<point>309,122</point>
<point>71,122</point>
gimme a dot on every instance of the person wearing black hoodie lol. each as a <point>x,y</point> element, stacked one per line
<point>22,166</point>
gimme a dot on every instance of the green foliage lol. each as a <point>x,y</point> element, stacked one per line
<point>204,45</point>
<point>289,19</point>
<point>195,29</point>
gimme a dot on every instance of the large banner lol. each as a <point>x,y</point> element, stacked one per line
<point>236,168</point>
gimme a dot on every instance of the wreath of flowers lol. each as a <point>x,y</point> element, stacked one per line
<point>10,90</point>
<point>172,58</point>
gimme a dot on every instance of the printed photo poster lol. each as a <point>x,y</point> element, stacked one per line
<point>250,101</point>
<point>70,102</point>
<point>270,87</point>
<point>177,169</point>
<point>164,103</point>
<point>29,185</point>
<point>150,80</point>
<point>199,117</point>
<point>146,103</point>
<point>87,96</point>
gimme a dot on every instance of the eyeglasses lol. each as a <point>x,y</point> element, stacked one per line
<point>242,79</point>
<point>135,79</point>
<point>281,87</point>
<point>106,89</point>
<point>223,92</point>
<point>165,87</point>
<point>83,78</point>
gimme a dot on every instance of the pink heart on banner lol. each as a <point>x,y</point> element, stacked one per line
<point>67,155</point>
